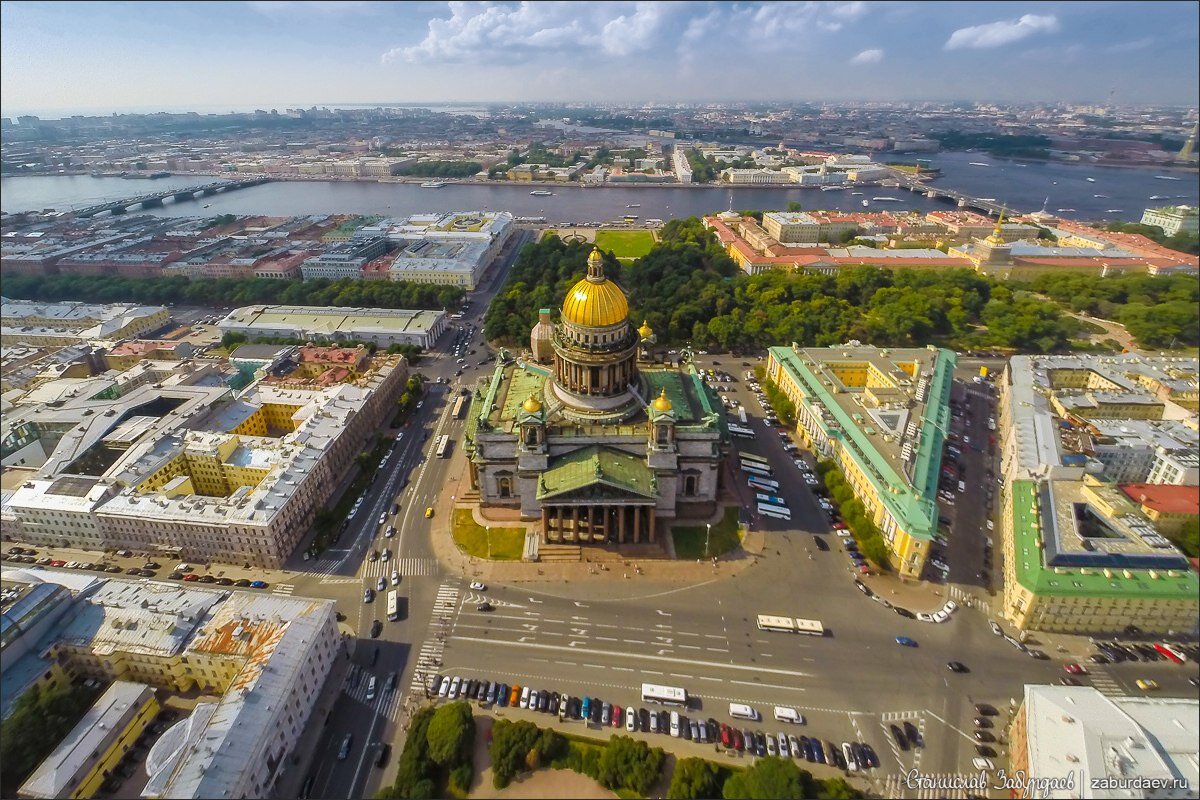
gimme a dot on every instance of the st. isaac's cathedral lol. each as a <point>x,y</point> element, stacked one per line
<point>587,436</point>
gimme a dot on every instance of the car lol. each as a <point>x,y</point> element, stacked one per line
<point>848,755</point>
<point>374,556</point>
<point>653,726</point>
<point>1074,669</point>
<point>770,745</point>
<point>243,582</point>
<point>58,562</point>
<point>385,555</point>
<point>899,737</point>
<point>1067,680</point>
<point>957,666</point>
<point>112,568</point>
<point>344,749</point>
<point>151,565</point>
<point>395,578</point>
<point>870,755</point>
<point>524,701</point>
<point>376,629</point>
<point>147,573</point>
<point>606,714</point>
<point>1147,685</point>
<point>368,595</point>
<point>984,764</point>
<point>476,586</point>
<point>914,734</point>
<point>428,512</point>
<point>381,584</point>
<point>192,577</point>
<point>905,641</point>
<point>176,576</point>
<point>984,736</point>
<point>630,720</point>
<point>258,584</point>
<point>923,617</point>
<point>543,703</point>
<point>212,579</point>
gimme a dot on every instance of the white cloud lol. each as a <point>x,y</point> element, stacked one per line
<point>872,56</point>
<point>995,34</point>
<point>486,32</point>
<point>1131,46</point>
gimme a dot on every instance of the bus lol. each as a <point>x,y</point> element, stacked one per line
<point>809,627</point>
<point>744,456</point>
<point>774,500</point>
<point>755,469</point>
<point>443,446</point>
<point>762,484</point>
<point>664,695</point>
<point>741,431</point>
<point>775,512</point>
<point>742,415</point>
<point>460,407</point>
<point>393,605</point>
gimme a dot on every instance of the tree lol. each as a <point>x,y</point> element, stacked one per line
<point>451,734</point>
<point>794,206</point>
<point>694,778</point>
<point>629,763</point>
<point>837,789</point>
<point>770,778</point>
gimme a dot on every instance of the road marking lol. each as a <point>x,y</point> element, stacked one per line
<point>604,638</point>
<point>633,641</point>
<point>662,613</point>
<point>690,662</point>
<point>756,684</point>
<point>689,647</point>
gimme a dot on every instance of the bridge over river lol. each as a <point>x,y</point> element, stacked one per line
<point>157,198</point>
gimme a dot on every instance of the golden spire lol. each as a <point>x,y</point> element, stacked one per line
<point>996,238</point>
<point>595,272</point>
<point>661,403</point>
<point>645,331</point>
<point>532,404</point>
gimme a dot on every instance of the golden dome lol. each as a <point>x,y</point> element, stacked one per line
<point>595,302</point>
<point>532,404</point>
<point>645,331</point>
<point>661,403</point>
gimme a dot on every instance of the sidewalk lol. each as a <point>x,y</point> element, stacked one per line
<point>598,565</point>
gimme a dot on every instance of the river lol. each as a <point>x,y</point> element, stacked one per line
<point>1023,185</point>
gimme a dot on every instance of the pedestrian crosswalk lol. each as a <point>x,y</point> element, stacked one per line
<point>350,579</point>
<point>1105,683</point>
<point>429,662</point>
<point>283,588</point>
<point>406,567</point>
<point>899,716</point>
<point>920,786</point>
<point>385,703</point>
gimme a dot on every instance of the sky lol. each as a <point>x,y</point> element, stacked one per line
<point>78,57</point>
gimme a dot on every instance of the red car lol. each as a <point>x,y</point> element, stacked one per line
<point>739,743</point>
<point>192,577</point>
<point>1074,669</point>
<point>617,715</point>
<point>58,562</point>
<point>839,526</point>
<point>726,739</point>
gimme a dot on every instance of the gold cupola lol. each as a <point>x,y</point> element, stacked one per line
<point>595,301</point>
<point>532,405</point>
<point>645,331</point>
<point>661,403</point>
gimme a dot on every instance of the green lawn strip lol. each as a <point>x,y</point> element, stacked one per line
<point>726,535</point>
<point>507,543</point>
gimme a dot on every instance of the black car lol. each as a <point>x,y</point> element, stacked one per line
<point>957,666</point>
<point>206,579</point>
<point>986,710</point>
<point>898,735</point>
<point>820,543</point>
<point>147,573</point>
<point>760,743</point>
<point>983,722</point>
<point>151,565</point>
<point>543,701</point>
<point>859,756</point>
<point>376,629</point>
<point>804,751</point>
<point>904,612</point>
<point>243,582</point>
<point>914,735</point>
<point>133,571</point>
<point>385,750</point>
<point>176,576</point>
<point>871,756</point>
<point>985,751</point>
<point>984,736</point>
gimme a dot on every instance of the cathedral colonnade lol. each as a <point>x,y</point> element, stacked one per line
<point>584,524</point>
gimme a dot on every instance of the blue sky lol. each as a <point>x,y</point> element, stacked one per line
<point>225,55</point>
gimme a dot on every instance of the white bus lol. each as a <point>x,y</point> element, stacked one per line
<point>393,605</point>
<point>754,458</point>
<point>664,695</point>
<point>770,498</point>
<point>460,407</point>
<point>775,512</point>
<point>741,431</point>
<point>809,627</point>
<point>763,484</point>
<point>742,415</point>
<point>755,469</point>
<point>743,711</point>
<point>443,446</point>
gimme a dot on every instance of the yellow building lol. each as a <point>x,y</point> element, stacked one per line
<point>879,415</point>
<point>91,751</point>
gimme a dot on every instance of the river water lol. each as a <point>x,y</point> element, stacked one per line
<point>1022,185</point>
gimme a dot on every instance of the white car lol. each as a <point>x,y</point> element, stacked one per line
<point>923,617</point>
<point>478,587</point>
<point>995,628</point>
<point>630,717</point>
<point>809,480</point>
<point>984,764</point>
<point>950,607</point>
<point>395,578</point>
<point>940,616</point>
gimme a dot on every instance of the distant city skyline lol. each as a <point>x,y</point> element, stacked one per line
<point>64,58</point>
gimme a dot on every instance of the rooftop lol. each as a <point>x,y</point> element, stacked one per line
<point>1165,498</point>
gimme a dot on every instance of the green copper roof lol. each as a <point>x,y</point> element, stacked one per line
<point>1034,575</point>
<point>598,468</point>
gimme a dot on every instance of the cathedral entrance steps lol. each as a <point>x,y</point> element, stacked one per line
<point>551,553</point>
<point>627,552</point>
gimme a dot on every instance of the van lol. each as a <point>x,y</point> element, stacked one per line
<point>962,486</point>
<point>675,724</point>
<point>786,714</point>
<point>742,711</point>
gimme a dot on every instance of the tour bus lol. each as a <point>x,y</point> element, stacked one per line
<point>775,512</point>
<point>393,605</point>
<point>460,407</point>
<point>763,484</point>
<point>755,469</point>
<point>743,711</point>
<point>809,627</point>
<point>741,431</point>
<point>665,695</point>
<point>443,446</point>
<point>753,457</point>
<point>772,499</point>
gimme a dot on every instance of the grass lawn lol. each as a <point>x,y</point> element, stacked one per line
<point>689,539</point>
<point>508,544</point>
<point>625,244</point>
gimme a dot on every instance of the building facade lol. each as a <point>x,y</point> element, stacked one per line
<point>1172,219</point>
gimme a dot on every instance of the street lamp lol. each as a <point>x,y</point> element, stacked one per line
<point>707,536</point>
